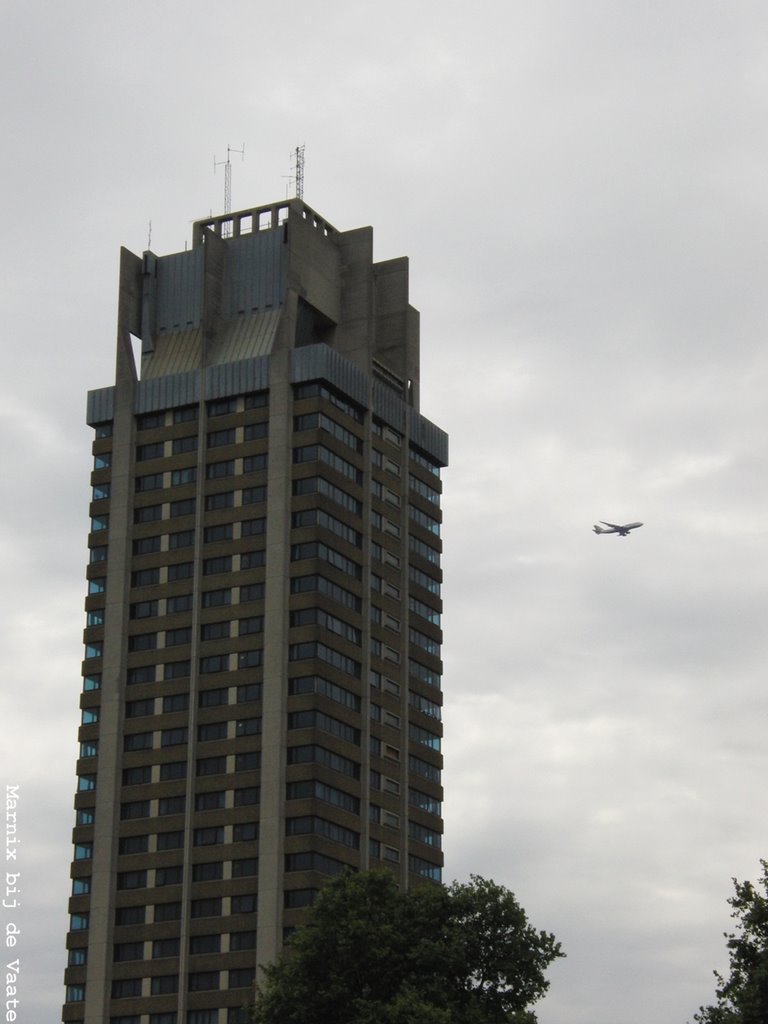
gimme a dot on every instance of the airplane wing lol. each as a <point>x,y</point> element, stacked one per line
<point>612,525</point>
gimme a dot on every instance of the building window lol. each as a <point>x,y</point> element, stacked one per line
<point>246,867</point>
<point>176,669</point>
<point>170,805</point>
<point>149,482</point>
<point>173,737</point>
<point>164,985</point>
<point>126,988</point>
<point>142,642</point>
<point>246,832</point>
<point>256,431</point>
<point>145,577</point>
<point>212,731</point>
<point>181,571</point>
<point>217,438</point>
<point>248,762</point>
<point>313,753</point>
<point>252,527</point>
<point>248,693</point>
<point>138,741</point>
<point>214,630</point>
<point>139,708</point>
<point>204,943</point>
<point>187,475</point>
<point>218,470</point>
<point>208,836</point>
<point>133,809</point>
<point>183,507</point>
<point>148,514</point>
<point>184,444</point>
<point>244,903</point>
<point>247,796</point>
<point>130,915</point>
<point>143,609</point>
<point>167,912</point>
<point>242,940</point>
<point>252,559</point>
<point>425,868</point>
<point>177,637</point>
<point>254,495</point>
<point>131,880</point>
<point>155,450</point>
<point>225,499</point>
<point>162,948</point>
<point>211,765</point>
<point>214,663</point>
<point>210,907</point>
<point>209,801</point>
<point>210,871</point>
<point>181,539</point>
<point>251,592</point>
<point>133,844</point>
<point>213,566</point>
<point>213,698</point>
<point>169,876</point>
<point>249,659</point>
<point>203,1017</point>
<point>220,532</point>
<point>185,414</point>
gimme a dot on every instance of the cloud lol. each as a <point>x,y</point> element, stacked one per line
<point>580,192</point>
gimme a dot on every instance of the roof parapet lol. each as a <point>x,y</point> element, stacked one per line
<point>259,218</point>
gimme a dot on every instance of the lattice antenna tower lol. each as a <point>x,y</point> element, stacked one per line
<point>299,168</point>
<point>227,175</point>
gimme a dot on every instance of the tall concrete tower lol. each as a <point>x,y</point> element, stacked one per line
<point>261,696</point>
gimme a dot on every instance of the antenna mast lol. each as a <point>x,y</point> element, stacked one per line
<point>299,164</point>
<point>227,175</point>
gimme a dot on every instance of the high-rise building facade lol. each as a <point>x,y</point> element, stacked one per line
<point>261,696</point>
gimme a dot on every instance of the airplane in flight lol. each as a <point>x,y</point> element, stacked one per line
<point>622,531</point>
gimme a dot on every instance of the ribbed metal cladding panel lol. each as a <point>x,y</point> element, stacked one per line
<point>255,273</point>
<point>180,290</point>
<point>432,439</point>
<point>168,392</point>
<point>101,406</point>
<point>318,362</point>
<point>175,352</point>
<point>389,407</point>
<point>237,378</point>
<point>246,337</point>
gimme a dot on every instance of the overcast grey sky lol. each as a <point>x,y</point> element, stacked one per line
<point>581,188</point>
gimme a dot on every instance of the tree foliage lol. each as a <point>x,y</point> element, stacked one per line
<point>373,954</point>
<point>742,998</point>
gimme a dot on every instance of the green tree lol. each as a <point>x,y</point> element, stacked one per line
<point>743,997</point>
<point>373,954</point>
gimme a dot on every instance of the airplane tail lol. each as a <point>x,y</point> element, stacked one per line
<point>599,529</point>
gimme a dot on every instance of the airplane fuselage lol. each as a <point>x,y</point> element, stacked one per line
<point>621,531</point>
